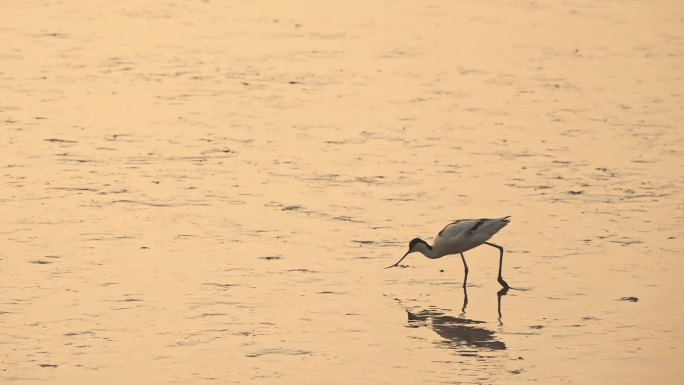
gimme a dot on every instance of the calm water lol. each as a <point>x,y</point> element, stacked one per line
<point>209,192</point>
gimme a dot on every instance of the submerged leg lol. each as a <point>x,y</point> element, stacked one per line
<point>499,294</point>
<point>465,301</point>
<point>501,253</point>
<point>465,267</point>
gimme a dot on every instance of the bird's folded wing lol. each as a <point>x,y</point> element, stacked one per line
<point>458,228</point>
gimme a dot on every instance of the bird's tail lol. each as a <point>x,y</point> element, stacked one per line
<point>491,227</point>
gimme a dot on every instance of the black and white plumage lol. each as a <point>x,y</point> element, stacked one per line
<point>458,237</point>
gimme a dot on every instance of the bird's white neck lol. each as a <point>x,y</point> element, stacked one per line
<point>426,250</point>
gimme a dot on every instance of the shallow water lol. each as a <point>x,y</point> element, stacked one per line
<point>208,193</point>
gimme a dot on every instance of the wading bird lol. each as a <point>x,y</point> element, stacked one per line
<point>458,237</point>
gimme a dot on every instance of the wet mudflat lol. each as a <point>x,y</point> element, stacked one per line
<point>208,193</point>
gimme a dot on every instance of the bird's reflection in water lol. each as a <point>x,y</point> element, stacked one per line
<point>499,294</point>
<point>459,332</point>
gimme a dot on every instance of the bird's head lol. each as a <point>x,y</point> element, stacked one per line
<point>416,244</point>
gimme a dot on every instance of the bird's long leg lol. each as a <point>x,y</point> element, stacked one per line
<point>501,253</point>
<point>465,268</point>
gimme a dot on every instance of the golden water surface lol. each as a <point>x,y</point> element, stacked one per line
<point>207,192</point>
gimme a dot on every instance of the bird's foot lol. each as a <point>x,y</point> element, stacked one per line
<point>504,284</point>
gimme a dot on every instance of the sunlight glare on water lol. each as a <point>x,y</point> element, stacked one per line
<point>208,192</point>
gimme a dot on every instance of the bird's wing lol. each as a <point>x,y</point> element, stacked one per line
<point>456,228</point>
<point>482,229</point>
